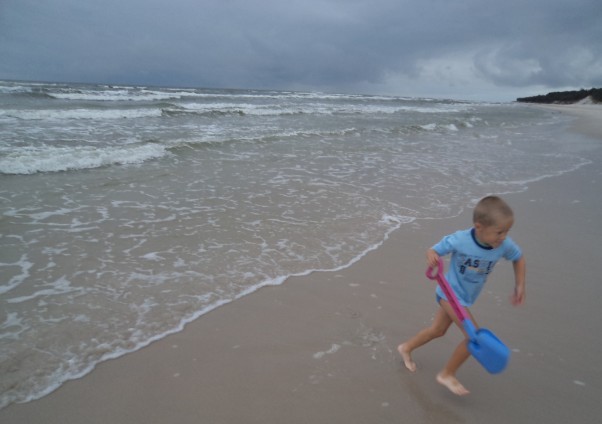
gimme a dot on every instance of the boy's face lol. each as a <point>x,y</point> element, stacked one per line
<point>493,235</point>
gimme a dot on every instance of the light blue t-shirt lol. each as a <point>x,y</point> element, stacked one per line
<point>471,263</point>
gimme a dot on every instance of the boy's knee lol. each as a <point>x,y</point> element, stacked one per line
<point>437,332</point>
<point>441,333</point>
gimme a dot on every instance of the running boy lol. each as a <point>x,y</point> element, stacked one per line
<point>474,253</point>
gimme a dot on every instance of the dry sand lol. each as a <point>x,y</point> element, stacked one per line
<point>322,348</point>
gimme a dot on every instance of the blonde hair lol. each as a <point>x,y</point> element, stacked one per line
<point>490,210</point>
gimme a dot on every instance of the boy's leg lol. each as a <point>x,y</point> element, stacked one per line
<point>447,376</point>
<point>438,328</point>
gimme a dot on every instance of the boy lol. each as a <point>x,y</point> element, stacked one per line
<point>474,253</point>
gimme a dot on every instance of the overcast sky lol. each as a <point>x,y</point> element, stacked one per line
<point>464,49</point>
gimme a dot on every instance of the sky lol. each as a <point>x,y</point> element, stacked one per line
<point>460,49</point>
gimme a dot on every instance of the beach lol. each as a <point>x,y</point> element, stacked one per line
<point>322,348</point>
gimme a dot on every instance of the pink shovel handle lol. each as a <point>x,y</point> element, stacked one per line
<point>447,290</point>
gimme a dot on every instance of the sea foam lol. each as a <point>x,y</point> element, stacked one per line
<point>53,159</point>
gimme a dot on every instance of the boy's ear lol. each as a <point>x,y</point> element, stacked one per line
<point>478,226</point>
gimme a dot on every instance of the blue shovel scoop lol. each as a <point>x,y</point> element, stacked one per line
<point>486,348</point>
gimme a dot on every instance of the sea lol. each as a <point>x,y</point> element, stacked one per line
<point>127,212</point>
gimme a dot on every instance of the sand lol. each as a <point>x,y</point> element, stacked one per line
<point>322,348</point>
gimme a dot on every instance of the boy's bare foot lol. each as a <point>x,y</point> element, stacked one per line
<point>452,383</point>
<point>407,359</point>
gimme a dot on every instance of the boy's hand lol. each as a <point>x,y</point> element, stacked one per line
<point>518,297</point>
<point>432,258</point>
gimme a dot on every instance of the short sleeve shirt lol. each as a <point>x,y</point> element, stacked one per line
<point>471,262</point>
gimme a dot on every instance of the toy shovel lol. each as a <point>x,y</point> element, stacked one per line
<point>490,351</point>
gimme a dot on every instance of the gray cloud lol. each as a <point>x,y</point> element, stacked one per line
<point>464,48</point>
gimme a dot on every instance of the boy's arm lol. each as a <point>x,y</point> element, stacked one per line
<point>520,271</point>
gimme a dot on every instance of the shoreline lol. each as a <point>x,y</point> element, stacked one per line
<point>323,347</point>
<point>588,116</point>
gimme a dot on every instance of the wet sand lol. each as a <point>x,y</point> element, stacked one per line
<point>323,348</point>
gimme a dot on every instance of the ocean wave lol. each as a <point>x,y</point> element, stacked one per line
<point>213,140</point>
<point>119,95</point>
<point>176,111</point>
<point>94,93</point>
<point>55,159</point>
<point>31,94</point>
<point>80,113</point>
<point>242,109</point>
<point>31,160</point>
<point>166,109</point>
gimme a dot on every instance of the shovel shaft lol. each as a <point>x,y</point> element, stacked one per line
<point>447,290</point>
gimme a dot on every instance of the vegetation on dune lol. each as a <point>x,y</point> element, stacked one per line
<point>565,97</point>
